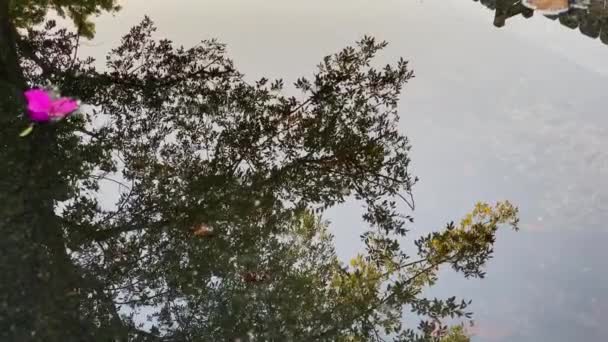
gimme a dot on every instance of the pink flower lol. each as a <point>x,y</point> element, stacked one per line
<point>43,108</point>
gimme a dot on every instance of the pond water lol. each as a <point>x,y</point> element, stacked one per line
<point>507,103</point>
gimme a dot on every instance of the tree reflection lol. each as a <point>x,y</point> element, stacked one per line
<point>215,234</point>
<point>590,17</point>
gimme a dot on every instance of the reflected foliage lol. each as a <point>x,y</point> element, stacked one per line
<point>591,19</point>
<point>26,13</point>
<point>456,334</point>
<point>215,233</point>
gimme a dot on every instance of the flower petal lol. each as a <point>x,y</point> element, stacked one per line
<point>38,101</point>
<point>63,107</point>
<point>39,116</point>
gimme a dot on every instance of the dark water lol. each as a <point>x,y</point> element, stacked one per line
<point>181,202</point>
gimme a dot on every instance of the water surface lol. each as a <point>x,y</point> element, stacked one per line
<point>506,104</point>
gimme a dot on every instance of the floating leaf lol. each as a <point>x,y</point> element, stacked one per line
<point>26,131</point>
